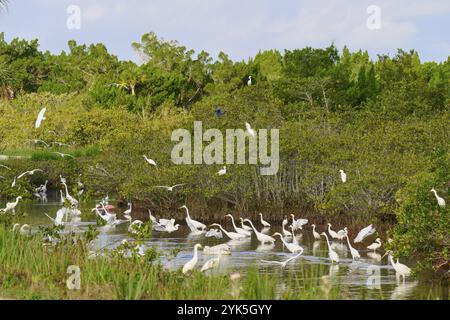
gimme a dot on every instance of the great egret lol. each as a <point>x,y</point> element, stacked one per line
<point>342,233</point>
<point>189,266</point>
<point>72,200</point>
<point>23,230</point>
<point>171,226</point>
<point>59,217</point>
<point>214,233</point>
<point>292,247</point>
<point>13,184</point>
<point>331,253</point>
<point>29,173</point>
<point>127,213</point>
<point>263,222</point>
<point>11,206</point>
<point>364,233</point>
<point>285,262</point>
<point>150,161</point>
<point>193,224</point>
<point>250,130</point>
<point>222,249</point>
<point>376,245</point>
<point>299,223</point>
<point>222,171</point>
<point>440,201</point>
<point>230,234</point>
<point>63,155</point>
<point>170,189</point>
<point>263,238</point>
<point>237,229</point>
<point>40,118</point>
<point>211,264</point>
<point>343,176</point>
<point>249,82</point>
<point>243,226</point>
<point>332,233</point>
<point>286,233</point>
<point>355,254</point>
<point>315,233</point>
<point>401,269</point>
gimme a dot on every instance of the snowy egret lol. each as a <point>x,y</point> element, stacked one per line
<point>331,253</point>
<point>11,206</point>
<point>263,222</point>
<point>189,266</point>
<point>315,233</point>
<point>376,245</point>
<point>440,201</point>
<point>364,233</point>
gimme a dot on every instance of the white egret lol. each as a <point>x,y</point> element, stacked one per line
<point>29,173</point>
<point>249,82</point>
<point>170,189</point>
<point>283,263</point>
<point>171,226</point>
<point>223,249</point>
<point>5,167</point>
<point>440,201</point>
<point>376,245</point>
<point>341,234</point>
<point>189,266</point>
<point>13,184</point>
<point>214,233</point>
<point>332,233</point>
<point>23,230</point>
<point>263,238</point>
<point>292,247</point>
<point>237,229</point>
<point>63,199</point>
<point>286,233</point>
<point>364,233</point>
<point>343,176</point>
<point>250,130</point>
<point>243,226</point>
<point>37,141</point>
<point>315,233</point>
<point>40,118</point>
<point>150,161</point>
<point>401,269</point>
<point>127,213</point>
<point>222,171</point>
<point>59,217</point>
<point>211,264</point>
<point>355,254</point>
<point>193,224</point>
<point>299,223</point>
<point>263,222</point>
<point>72,200</point>
<point>11,206</point>
<point>294,238</point>
<point>331,253</point>
<point>230,234</point>
<point>63,155</point>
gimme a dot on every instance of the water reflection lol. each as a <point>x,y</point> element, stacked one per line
<point>351,275</point>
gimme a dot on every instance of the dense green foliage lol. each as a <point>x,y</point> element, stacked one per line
<point>381,121</point>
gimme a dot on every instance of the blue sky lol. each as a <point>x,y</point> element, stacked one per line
<point>239,28</point>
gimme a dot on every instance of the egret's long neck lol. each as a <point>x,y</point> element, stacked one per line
<point>195,253</point>
<point>348,241</point>
<point>253,227</point>
<point>187,212</point>
<point>232,221</point>
<point>328,242</point>
<point>67,192</point>
<point>285,243</point>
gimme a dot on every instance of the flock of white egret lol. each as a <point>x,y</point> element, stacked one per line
<point>245,230</point>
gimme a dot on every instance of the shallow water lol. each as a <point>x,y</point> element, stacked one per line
<point>371,276</point>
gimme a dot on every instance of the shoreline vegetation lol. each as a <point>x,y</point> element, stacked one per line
<point>384,122</point>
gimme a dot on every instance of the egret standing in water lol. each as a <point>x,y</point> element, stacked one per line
<point>331,253</point>
<point>376,245</point>
<point>292,247</point>
<point>401,269</point>
<point>440,201</point>
<point>355,254</point>
<point>315,233</point>
<point>263,222</point>
<point>229,234</point>
<point>189,266</point>
<point>193,224</point>
<point>237,229</point>
<point>263,238</point>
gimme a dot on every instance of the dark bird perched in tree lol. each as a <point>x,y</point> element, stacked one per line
<point>219,112</point>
